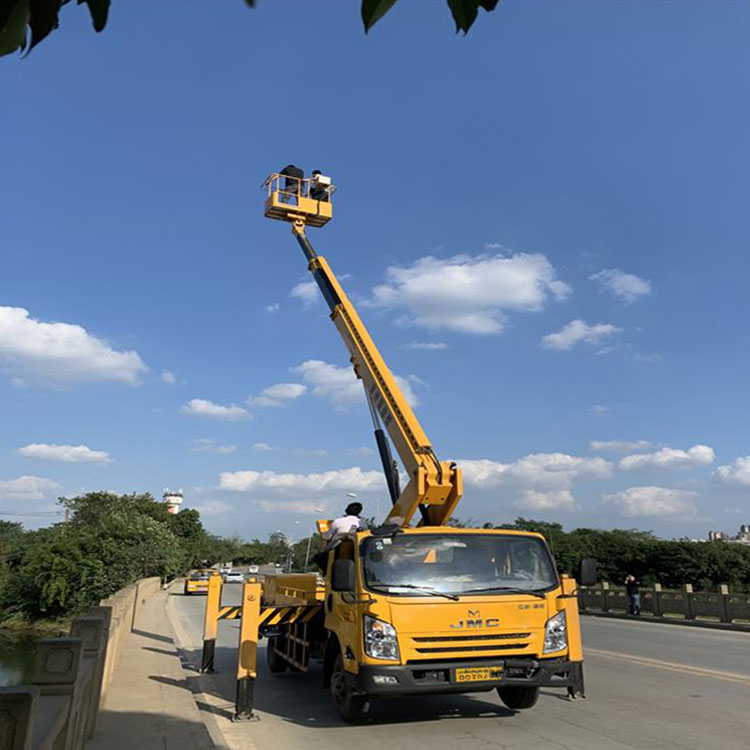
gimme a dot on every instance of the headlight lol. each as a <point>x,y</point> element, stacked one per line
<point>380,639</point>
<point>556,634</point>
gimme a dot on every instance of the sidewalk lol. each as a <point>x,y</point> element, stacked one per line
<point>150,705</point>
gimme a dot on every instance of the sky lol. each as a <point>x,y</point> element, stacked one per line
<point>543,225</point>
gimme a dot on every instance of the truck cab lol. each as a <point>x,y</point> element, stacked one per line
<point>443,610</point>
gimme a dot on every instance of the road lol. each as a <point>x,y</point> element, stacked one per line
<point>650,686</point>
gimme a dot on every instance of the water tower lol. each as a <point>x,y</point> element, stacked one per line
<point>172,499</point>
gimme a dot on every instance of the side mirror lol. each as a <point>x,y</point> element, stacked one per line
<point>587,575</point>
<point>343,576</point>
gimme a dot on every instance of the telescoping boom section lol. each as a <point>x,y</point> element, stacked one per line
<point>434,487</point>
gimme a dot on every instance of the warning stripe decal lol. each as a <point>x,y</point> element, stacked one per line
<point>270,616</point>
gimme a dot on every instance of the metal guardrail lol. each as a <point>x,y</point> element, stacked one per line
<point>684,603</point>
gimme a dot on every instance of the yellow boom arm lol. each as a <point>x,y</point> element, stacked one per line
<point>434,486</point>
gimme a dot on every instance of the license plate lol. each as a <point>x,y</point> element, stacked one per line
<point>479,674</point>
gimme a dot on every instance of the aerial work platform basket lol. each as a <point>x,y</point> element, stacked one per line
<point>293,199</point>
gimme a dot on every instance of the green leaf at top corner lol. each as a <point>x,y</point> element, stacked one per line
<point>99,10</point>
<point>374,10</point>
<point>464,13</point>
<point>13,33</point>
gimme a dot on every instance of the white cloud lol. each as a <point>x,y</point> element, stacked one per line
<point>405,385</point>
<point>317,452</point>
<point>560,290</point>
<point>540,481</point>
<point>306,292</point>
<point>308,507</point>
<point>208,445</point>
<point>348,480</point>
<point>556,499</point>
<point>274,308</point>
<point>653,357</point>
<point>428,346</point>
<point>669,458</point>
<point>620,446</point>
<point>61,353</point>
<point>653,501</point>
<point>340,385</point>
<point>737,473</point>
<point>214,508</point>
<point>599,410</point>
<point>279,394</point>
<point>264,447</point>
<point>576,332</point>
<point>169,377</point>
<point>543,470</point>
<point>75,454</point>
<point>627,286</point>
<point>337,384</point>
<point>466,293</point>
<point>26,488</point>
<point>363,451</point>
<point>203,408</point>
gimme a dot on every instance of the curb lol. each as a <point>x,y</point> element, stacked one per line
<point>730,626</point>
<point>202,686</point>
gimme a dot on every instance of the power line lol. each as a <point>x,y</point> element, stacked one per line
<point>31,514</point>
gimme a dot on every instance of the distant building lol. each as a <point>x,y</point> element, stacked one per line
<point>743,536</point>
<point>173,500</point>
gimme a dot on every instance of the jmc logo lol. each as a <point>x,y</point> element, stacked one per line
<point>475,621</point>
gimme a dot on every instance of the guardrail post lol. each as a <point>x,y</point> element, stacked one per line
<point>57,667</point>
<point>18,706</point>
<point>605,596</point>
<point>248,651</point>
<point>689,609</point>
<point>724,603</point>
<point>657,600</point>
<point>210,623</point>
<point>90,629</point>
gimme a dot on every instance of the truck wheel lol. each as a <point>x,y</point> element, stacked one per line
<point>518,697</point>
<point>276,663</point>
<point>351,707</point>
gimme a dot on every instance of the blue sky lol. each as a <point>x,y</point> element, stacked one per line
<point>543,224</point>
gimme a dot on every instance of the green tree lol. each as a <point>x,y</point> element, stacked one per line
<point>27,22</point>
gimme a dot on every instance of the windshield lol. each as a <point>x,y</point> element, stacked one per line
<point>456,563</point>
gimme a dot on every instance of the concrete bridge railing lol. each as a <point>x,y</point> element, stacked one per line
<point>685,604</point>
<point>71,676</point>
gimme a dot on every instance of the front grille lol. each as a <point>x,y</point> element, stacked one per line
<point>462,649</point>
<point>465,638</point>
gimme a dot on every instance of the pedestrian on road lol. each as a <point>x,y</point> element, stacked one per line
<point>634,595</point>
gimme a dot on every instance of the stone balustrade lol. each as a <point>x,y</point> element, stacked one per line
<point>71,676</point>
<point>682,604</point>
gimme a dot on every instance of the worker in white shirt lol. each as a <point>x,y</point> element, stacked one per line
<point>347,523</point>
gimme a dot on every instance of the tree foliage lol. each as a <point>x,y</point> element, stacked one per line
<point>671,563</point>
<point>109,541</point>
<point>25,23</point>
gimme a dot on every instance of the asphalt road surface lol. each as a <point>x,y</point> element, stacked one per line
<point>650,686</point>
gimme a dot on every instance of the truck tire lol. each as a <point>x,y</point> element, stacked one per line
<point>518,697</point>
<point>351,707</point>
<point>276,663</point>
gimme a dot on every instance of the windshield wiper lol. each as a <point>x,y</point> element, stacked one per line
<point>509,589</point>
<point>425,589</point>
